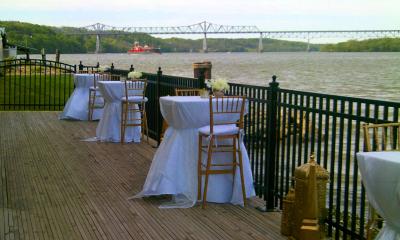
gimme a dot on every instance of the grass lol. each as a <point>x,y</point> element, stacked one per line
<point>39,91</point>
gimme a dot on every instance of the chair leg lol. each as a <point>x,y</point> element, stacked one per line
<point>145,122</point>
<point>199,175</point>
<point>234,160</point>
<point>207,173</point>
<point>123,122</point>
<point>371,222</point>
<point>92,107</point>
<point>241,175</point>
<point>89,106</point>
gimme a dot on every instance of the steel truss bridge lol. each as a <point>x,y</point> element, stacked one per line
<point>206,28</point>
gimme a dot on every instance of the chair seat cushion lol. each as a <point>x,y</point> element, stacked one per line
<point>134,99</point>
<point>227,129</point>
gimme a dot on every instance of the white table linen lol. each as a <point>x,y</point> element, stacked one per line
<point>174,166</point>
<point>109,128</point>
<point>380,172</point>
<point>77,106</point>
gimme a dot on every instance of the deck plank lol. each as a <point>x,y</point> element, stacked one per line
<point>56,186</point>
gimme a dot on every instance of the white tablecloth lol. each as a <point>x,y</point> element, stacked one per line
<point>109,128</point>
<point>174,166</point>
<point>77,105</point>
<point>380,172</point>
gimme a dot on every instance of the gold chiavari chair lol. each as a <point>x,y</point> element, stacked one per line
<point>379,137</point>
<point>187,92</point>
<point>134,102</point>
<point>88,71</point>
<point>96,101</point>
<point>225,130</point>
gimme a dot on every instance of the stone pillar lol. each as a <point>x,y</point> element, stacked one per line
<point>97,43</point>
<point>205,49</point>
<point>260,43</point>
<point>309,229</point>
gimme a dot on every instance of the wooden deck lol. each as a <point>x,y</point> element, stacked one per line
<point>53,185</point>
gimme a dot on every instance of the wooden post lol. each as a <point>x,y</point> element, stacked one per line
<point>57,55</point>
<point>202,77</point>
<point>43,54</point>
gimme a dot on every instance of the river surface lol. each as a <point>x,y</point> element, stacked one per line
<point>366,75</point>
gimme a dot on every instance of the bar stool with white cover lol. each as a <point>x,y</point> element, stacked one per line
<point>379,138</point>
<point>96,101</point>
<point>222,135</point>
<point>134,102</point>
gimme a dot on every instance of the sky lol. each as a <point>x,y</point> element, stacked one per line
<point>267,15</point>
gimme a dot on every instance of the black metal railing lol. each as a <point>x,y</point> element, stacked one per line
<point>330,127</point>
<point>282,128</point>
<point>163,85</point>
<point>34,84</point>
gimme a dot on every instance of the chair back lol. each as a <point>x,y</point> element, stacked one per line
<point>135,87</point>
<point>188,92</point>
<point>382,137</point>
<point>105,77</point>
<point>227,110</point>
<point>88,71</point>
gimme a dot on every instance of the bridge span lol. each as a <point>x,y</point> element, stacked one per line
<point>206,28</point>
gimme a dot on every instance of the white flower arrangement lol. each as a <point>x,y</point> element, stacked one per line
<point>135,75</point>
<point>103,68</point>
<point>218,84</point>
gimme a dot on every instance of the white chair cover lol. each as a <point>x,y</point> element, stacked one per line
<point>77,106</point>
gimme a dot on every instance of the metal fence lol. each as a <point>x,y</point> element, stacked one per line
<point>282,128</point>
<point>35,84</point>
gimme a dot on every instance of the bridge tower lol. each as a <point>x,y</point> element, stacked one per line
<point>205,49</point>
<point>260,43</point>
<point>97,44</point>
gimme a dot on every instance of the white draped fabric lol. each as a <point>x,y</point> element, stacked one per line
<point>174,166</point>
<point>109,128</point>
<point>77,105</point>
<point>380,172</point>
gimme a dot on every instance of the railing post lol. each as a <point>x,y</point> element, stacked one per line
<point>269,173</point>
<point>158,116</point>
<point>112,68</point>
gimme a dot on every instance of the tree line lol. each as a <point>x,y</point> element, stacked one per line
<point>52,38</point>
<point>369,45</point>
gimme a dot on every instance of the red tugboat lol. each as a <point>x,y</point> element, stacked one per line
<point>138,49</point>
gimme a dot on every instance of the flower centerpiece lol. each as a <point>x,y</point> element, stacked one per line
<point>103,68</point>
<point>135,75</point>
<point>218,86</point>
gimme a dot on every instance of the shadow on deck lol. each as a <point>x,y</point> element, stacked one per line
<point>56,186</point>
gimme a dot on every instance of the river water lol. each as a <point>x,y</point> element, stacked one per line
<point>366,75</point>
